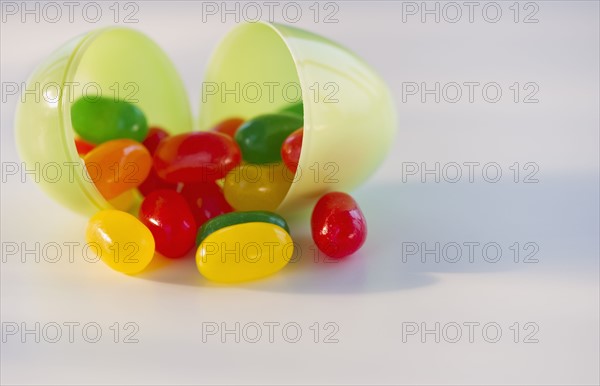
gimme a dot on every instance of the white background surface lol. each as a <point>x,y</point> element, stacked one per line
<point>371,295</point>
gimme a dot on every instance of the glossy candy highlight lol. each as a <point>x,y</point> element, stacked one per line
<point>338,226</point>
<point>98,120</point>
<point>291,149</point>
<point>120,240</point>
<point>196,157</point>
<point>260,139</point>
<point>244,252</point>
<point>117,166</point>
<point>168,217</point>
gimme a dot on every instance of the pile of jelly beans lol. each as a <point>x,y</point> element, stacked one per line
<point>215,191</point>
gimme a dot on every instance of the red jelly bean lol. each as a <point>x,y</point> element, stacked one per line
<point>206,200</point>
<point>291,148</point>
<point>338,225</point>
<point>196,157</point>
<point>168,216</point>
<point>155,135</point>
<point>83,147</point>
<point>229,126</point>
<point>154,182</point>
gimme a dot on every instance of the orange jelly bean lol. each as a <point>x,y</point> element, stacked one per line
<point>117,166</point>
<point>229,126</point>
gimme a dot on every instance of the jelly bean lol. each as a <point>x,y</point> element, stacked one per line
<point>120,240</point>
<point>257,187</point>
<point>83,147</point>
<point>295,109</point>
<point>235,218</point>
<point>168,216</point>
<point>196,157</point>
<point>244,252</point>
<point>206,200</point>
<point>124,201</point>
<point>117,166</point>
<point>291,148</point>
<point>103,119</point>
<point>338,225</point>
<point>154,182</point>
<point>229,126</point>
<point>260,139</point>
<point>155,135</point>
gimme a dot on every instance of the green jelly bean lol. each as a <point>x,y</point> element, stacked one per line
<point>235,218</point>
<point>260,139</point>
<point>295,109</point>
<point>103,119</point>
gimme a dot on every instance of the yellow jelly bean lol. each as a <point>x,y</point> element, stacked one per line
<point>257,187</point>
<point>124,201</point>
<point>120,240</point>
<point>244,252</point>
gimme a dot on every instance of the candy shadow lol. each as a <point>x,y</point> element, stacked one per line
<point>368,270</point>
<point>179,271</point>
<point>400,214</point>
<point>308,272</point>
<point>374,268</point>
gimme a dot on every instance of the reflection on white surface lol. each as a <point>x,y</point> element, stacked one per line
<point>375,293</point>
